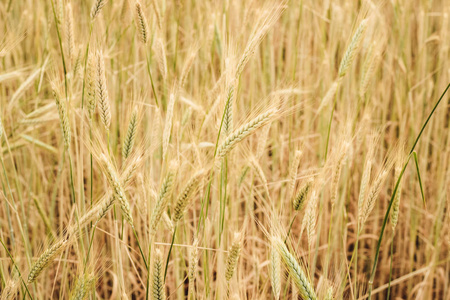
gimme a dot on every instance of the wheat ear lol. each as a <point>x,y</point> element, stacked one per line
<point>185,196</point>
<point>91,84</point>
<point>369,204</point>
<point>97,8</point>
<point>233,256</point>
<point>46,259</point>
<point>63,115</point>
<point>82,286</point>
<point>163,198</point>
<point>293,173</point>
<point>298,275</point>
<point>168,124</point>
<point>244,131</point>
<point>396,203</point>
<point>158,291</point>
<point>131,134</point>
<point>193,262</point>
<point>70,36</point>
<point>300,199</point>
<point>119,192</point>
<point>141,23</point>
<point>101,92</point>
<point>275,272</point>
<point>353,48</point>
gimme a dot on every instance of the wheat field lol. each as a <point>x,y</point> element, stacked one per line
<point>185,149</point>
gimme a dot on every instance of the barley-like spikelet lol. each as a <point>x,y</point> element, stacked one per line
<point>125,12</point>
<point>141,23</point>
<point>396,203</point>
<point>293,173</point>
<point>82,286</point>
<point>309,221</point>
<point>329,294</point>
<point>228,113</point>
<point>168,124</point>
<point>260,173</point>
<point>300,198</point>
<point>233,256</point>
<point>63,115</point>
<point>91,83</point>
<point>270,18</point>
<point>193,263</point>
<point>244,131</point>
<point>60,11</point>
<point>328,96</point>
<point>335,179</point>
<point>163,198</point>
<point>275,272</point>
<point>70,36</point>
<point>369,68</point>
<point>77,67</point>
<point>46,259</point>
<point>185,196</point>
<point>101,92</point>
<point>369,204</point>
<point>119,192</point>
<point>168,222</point>
<point>186,68</point>
<point>353,48</point>
<point>131,134</point>
<point>161,57</point>
<point>262,141</point>
<point>10,290</point>
<point>97,8</point>
<point>295,270</point>
<point>364,183</point>
<point>158,291</point>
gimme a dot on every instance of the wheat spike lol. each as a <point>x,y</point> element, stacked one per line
<point>244,131</point>
<point>70,36</point>
<point>158,291</point>
<point>168,124</point>
<point>163,198</point>
<point>396,203</point>
<point>141,23</point>
<point>46,259</point>
<point>369,204</point>
<point>193,262</point>
<point>185,196</point>
<point>228,112</point>
<point>275,272</point>
<point>63,115</point>
<point>295,270</point>
<point>233,256</point>
<point>119,192</point>
<point>101,92</point>
<point>82,286</point>
<point>293,173</point>
<point>91,85</point>
<point>131,134</point>
<point>97,8</point>
<point>161,56</point>
<point>300,199</point>
<point>353,48</point>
